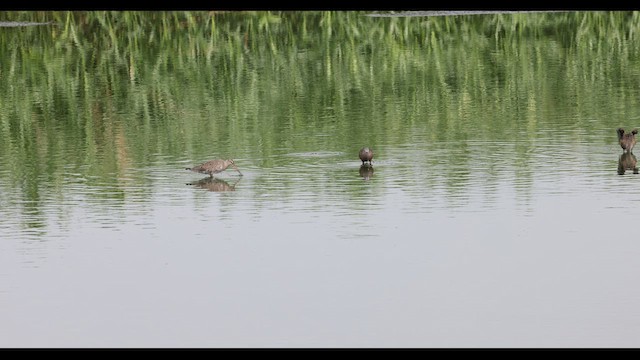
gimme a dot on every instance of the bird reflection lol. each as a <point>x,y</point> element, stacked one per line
<point>627,161</point>
<point>215,184</point>
<point>366,171</point>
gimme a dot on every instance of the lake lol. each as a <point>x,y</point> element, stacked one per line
<point>494,213</point>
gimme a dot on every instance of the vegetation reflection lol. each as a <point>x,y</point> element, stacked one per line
<point>99,93</point>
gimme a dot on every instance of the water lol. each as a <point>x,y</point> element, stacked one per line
<point>494,215</point>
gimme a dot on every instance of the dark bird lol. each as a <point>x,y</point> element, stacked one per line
<point>628,140</point>
<point>214,166</point>
<point>366,154</point>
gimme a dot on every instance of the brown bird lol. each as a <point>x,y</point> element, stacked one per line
<point>366,154</point>
<point>214,166</point>
<point>627,141</point>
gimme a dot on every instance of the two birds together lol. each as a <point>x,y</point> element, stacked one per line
<point>215,166</point>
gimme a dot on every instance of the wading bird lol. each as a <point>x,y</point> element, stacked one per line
<point>366,154</point>
<point>214,166</point>
<point>627,141</point>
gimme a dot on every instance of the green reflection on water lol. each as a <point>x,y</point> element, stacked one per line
<point>101,93</point>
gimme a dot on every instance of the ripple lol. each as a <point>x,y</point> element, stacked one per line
<point>451,13</point>
<point>24,23</point>
<point>316,154</point>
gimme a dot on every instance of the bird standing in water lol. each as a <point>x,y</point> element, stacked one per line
<point>366,154</point>
<point>214,166</point>
<point>627,141</point>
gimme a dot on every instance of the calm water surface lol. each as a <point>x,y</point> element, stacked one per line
<point>494,215</point>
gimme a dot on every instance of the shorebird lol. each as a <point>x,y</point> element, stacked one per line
<point>366,154</point>
<point>627,141</point>
<point>214,166</point>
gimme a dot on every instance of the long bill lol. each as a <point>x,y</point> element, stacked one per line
<point>235,167</point>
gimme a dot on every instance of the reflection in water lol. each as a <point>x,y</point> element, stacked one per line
<point>366,171</point>
<point>627,161</point>
<point>475,118</point>
<point>215,184</point>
